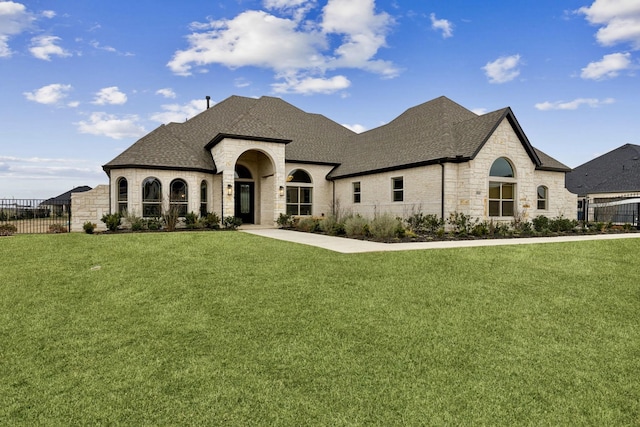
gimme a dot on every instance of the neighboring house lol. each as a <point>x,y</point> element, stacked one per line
<point>61,204</point>
<point>259,158</point>
<point>608,187</point>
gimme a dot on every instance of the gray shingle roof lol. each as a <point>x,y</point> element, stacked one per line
<point>438,130</point>
<point>617,171</point>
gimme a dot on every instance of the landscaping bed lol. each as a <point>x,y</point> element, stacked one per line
<point>426,228</point>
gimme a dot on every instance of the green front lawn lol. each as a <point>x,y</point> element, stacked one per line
<point>226,328</point>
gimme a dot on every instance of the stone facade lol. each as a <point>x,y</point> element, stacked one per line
<point>89,206</point>
<point>421,192</point>
<point>466,186</point>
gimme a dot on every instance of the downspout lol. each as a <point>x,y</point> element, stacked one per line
<point>110,198</point>
<point>222,197</point>
<point>441,190</point>
<point>333,205</point>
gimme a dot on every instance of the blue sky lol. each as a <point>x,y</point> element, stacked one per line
<point>81,80</point>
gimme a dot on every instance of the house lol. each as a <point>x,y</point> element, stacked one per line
<point>259,158</point>
<point>608,187</point>
<point>59,205</point>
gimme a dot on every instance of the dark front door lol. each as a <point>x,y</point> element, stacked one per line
<point>244,202</point>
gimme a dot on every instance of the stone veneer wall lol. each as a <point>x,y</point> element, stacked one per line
<point>422,192</point>
<point>89,206</point>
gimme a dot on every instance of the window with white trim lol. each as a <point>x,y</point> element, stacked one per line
<point>299,193</point>
<point>356,192</point>
<point>502,188</point>
<point>397,188</point>
<point>179,197</point>
<point>543,197</point>
<point>204,209</point>
<point>151,198</point>
<point>123,196</point>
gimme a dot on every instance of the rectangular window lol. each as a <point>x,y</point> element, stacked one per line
<point>397,185</point>
<point>356,192</point>
<point>501,198</point>
<point>299,200</point>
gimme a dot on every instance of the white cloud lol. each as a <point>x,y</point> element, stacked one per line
<point>573,105</point>
<point>503,69</point>
<point>364,33</point>
<point>167,92</point>
<point>96,45</point>
<point>179,113</point>
<point>312,85</point>
<point>442,25</point>
<point>608,67</point>
<point>50,94</point>
<point>43,47</point>
<point>49,14</point>
<point>110,95</point>
<point>103,124</point>
<point>355,128</point>
<point>619,21</point>
<point>253,38</point>
<point>293,48</point>
<point>241,82</point>
<point>479,111</point>
<point>14,19</point>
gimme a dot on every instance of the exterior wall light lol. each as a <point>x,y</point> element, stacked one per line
<point>229,189</point>
<point>281,191</point>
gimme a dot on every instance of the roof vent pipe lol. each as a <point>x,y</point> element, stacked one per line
<point>208,99</point>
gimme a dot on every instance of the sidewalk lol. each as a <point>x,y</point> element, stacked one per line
<point>350,246</point>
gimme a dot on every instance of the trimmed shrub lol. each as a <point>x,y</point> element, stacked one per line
<point>232,222</point>
<point>461,223</point>
<point>57,228</point>
<point>8,229</point>
<point>191,220</point>
<point>540,223</point>
<point>309,225</point>
<point>285,221</point>
<point>356,226</point>
<point>211,221</point>
<point>385,226</point>
<point>152,224</point>
<point>135,222</point>
<point>332,226</point>
<point>562,225</point>
<point>420,223</point>
<point>88,227</point>
<point>112,221</point>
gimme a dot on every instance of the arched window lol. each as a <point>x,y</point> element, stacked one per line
<point>178,196</point>
<point>299,193</point>
<point>543,197</point>
<point>502,188</point>
<point>151,198</point>
<point>203,199</point>
<point>123,196</point>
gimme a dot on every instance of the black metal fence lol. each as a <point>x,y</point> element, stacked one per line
<point>36,215</point>
<point>617,210</point>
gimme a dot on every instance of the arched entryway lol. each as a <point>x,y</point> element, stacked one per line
<point>255,193</point>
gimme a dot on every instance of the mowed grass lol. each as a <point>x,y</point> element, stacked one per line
<point>226,328</point>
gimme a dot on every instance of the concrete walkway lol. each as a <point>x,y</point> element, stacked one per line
<point>350,246</point>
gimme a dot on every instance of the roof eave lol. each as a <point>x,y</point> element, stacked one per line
<point>108,168</point>
<point>219,137</point>
<point>442,160</point>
